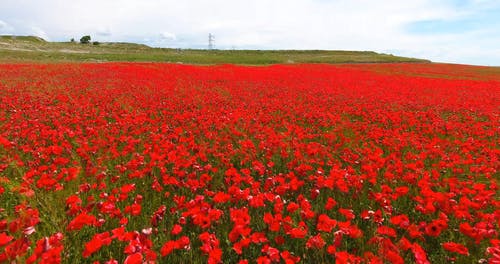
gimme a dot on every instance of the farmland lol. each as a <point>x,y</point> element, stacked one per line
<point>309,163</point>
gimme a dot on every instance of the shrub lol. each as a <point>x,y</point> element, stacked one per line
<point>85,39</point>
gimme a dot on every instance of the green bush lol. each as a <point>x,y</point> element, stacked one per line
<point>85,39</point>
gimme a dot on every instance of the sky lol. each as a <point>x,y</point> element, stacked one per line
<point>453,31</point>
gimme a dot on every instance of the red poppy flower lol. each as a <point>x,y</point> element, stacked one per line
<point>386,231</point>
<point>315,242</point>
<point>457,248</point>
<point>4,239</point>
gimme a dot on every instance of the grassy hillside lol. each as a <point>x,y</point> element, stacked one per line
<point>34,49</point>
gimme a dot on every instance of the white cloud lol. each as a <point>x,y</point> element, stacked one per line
<point>103,32</point>
<point>263,24</point>
<point>167,36</point>
<point>5,28</point>
<point>36,31</point>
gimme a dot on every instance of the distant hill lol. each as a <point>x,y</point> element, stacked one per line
<point>35,49</point>
<point>22,38</point>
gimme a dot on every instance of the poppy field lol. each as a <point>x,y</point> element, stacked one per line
<point>168,163</point>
